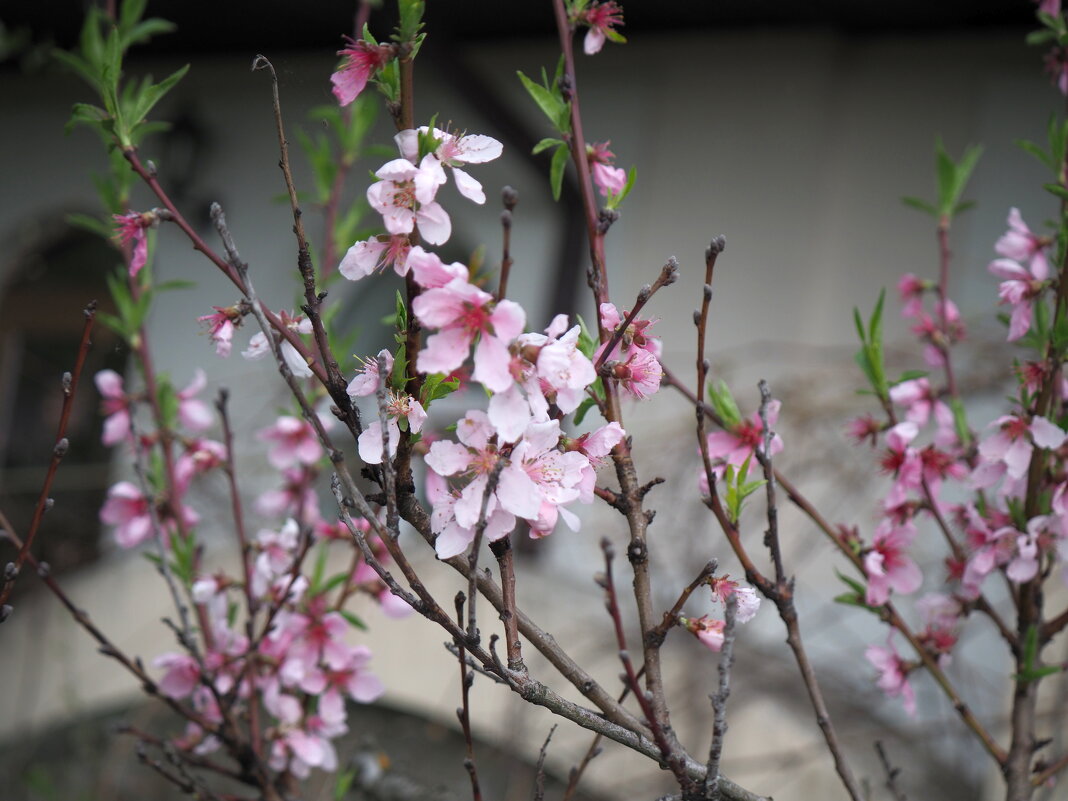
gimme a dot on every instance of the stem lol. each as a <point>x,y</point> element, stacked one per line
<point>59,450</point>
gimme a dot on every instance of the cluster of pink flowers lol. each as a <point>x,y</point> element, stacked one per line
<point>992,534</point>
<point>635,361</point>
<point>1025,268</point>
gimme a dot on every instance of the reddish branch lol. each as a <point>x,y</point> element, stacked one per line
<point>59,450</point>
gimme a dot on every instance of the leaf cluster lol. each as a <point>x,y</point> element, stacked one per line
<point>98,61</point>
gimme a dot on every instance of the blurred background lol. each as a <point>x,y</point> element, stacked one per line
<point>792,129</point>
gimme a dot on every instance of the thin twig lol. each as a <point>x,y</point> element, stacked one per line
<point>669,274</point>
<point>59,450</point>
<point>464,712</point>
<point>719,700</point>
<point>334,382</point>
<point>771,536</point>
<point>891,773</point>
<point>669,755</point>
<point>539,774</point>
<point>509,197</point>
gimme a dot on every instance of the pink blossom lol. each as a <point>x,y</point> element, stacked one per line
<point>911,289</point>
<point>735,446</point>
<point>376,253</point>
<point>463,312</point>
<point>399,407</point>
<point>748,602</point>
<point>1023,284</point>
<point>610,180</point>
<point>200,456</point>
<point>277,550</point>
<point>362,60</point>
<point>181,677</point>
<point>1020,244</point>
<point>902,462</point>
<point>454,151</point>
<point>259,347</point>
<point>194,413</point>
<point>602,19</point>
<point>888,566</point>
<point>296,497</point>
<point>708,630</point>
<point>1012,446</point>
<point>864,428</point>
<point>132,228</point>
<point>128,509</point>
<point>367,380</point>
<point>115,404</point>
<point>131,513</point>
<point>221,326</point>
<point>430,272</point>
<point>405,198</point>
<point>893,674</point>
<point>294,442</point>
<point>634,361</point>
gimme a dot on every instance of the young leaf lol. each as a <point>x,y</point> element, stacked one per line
<point>556,171</point>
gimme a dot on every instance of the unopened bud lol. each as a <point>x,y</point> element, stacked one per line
<point>61,448</point>
<point>506,219</point>
<point>696,317</point>
<point>5,612</point>
<point>509,197</point>
<point>644,293</point>
<point>66,381</point>
<point>10,571</point>
<point>670,274</point>
<point>43,569</point>
<point>717,246</point>
<point>49,504</point>
<point>708,291</point>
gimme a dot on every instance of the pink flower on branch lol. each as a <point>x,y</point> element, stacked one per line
<point>361,60</point>
<point>887,565</point>
<point>115,405</point>
<point>602,17</point>
<point>1023,284</point>
<point>404,196</point>
<point>294,442</point>
<point>376,253</point>
<point>453,151</point>
<point>463,312</point>
<point>610,180</point>
<point>221,326</point>
<point>132,231</point>
<point>893,674</point>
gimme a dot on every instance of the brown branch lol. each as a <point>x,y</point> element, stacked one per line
<point>509,197</point>
<point>891,773</point>
<point>670,753</point>
<point>59,450</point>
<point>464,712</point>
<point>669,274</point>
<point>719,700</point>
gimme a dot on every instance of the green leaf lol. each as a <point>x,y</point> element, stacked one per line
<point>353,619</point>
<point>920,205</point>
<point>547,100</point>
<point>177,283</point>
<point>613,201</point>
<point>411,19</point>
<point>583,408</point>
<point>168,402</point>
<point>1057,190</point>
<point>556,171</point>
<point>545,144</point>
<point>87,222</point>
<point>1034,150</point>
<point>587,343</point>
<point>724,405</point>
<point>151,94</point>
<point>322,553</point>
<point>437,386</point>
<point>852,583</point>
<point>343,782</point>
